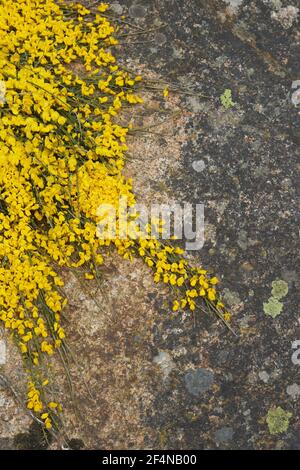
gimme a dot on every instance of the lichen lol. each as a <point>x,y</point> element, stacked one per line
<point>278,420</point>
<point>279,289</point>
<point>273,307</point>
<point>231,298</point>
<point>286,16</point>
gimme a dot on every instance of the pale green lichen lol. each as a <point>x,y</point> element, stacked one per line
<point>278,420</point>
<point>273,307</point>
<point>279,289</point>
<point>226,99</point>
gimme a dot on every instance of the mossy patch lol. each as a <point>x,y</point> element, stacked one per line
<point>278,420</point>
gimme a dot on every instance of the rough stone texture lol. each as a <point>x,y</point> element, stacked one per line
<point>120,397</point>
<point>248,186</point>
<point>164,361</point>
<point>224,435</point>
<point>13,417</point>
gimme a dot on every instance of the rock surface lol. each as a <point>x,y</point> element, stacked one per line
<point>219,388</point>
<point>249,189</point>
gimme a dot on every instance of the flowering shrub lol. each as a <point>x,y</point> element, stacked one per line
<point>61,156</point>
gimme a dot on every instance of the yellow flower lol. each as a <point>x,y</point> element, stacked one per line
<point>72,163</point>
<point>103,7</point>
<point>23,348</point>
<point>211,294</point>
<point>202,292</point>
<point>48,424</point>
<point>227,316</point>
<point>89,276</point>
<point>52,405</point>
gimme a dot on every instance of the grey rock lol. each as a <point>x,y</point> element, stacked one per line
<point>296,97</point>
<point>231,298</point>
<point>244,321</point>
<point>198,381</point>
<point>286,16</point>
<point>223,356</point>
<point>196,104</point>
<point>224,435</point>
<point>295,84</point>
<point>2,352</point>
<point>6,443</point>
<point>243,240</point>
<point>293,390</point>
<point>2,400</point>
<point>264,376</point>
<point>234,3</point>
<point>137,11</point>
<point>160,38</point>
